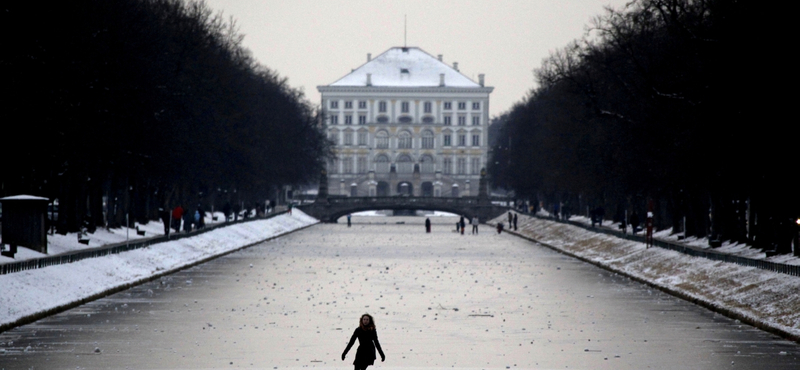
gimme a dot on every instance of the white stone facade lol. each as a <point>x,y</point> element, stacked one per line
<point>406,123</point>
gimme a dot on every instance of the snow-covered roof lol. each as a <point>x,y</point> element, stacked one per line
<point>405,67</point>
<point>23,197</point>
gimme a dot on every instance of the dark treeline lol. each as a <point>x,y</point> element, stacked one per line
<point>665,103</point>
<point>147,103</point>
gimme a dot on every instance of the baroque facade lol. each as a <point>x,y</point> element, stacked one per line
<point>406,123</point>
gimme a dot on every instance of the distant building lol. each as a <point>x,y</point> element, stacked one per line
<point>406,123</point>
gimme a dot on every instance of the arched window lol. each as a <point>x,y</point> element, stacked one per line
<point>382,140</point>
<point>405,164</point>
<point>427,164</point>
<point>362,137</point>
<point>427,139</point>
<point>348,137</point>
<point>404,140</point>
<point>382,164</point>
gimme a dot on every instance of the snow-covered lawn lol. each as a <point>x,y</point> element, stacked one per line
<point>762,297</point>
<point>30,293</point>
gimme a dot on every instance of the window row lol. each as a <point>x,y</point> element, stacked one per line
<point>447,120</point>
<point>404,139</point>
<point>405,165</point>
<point>405,105</point>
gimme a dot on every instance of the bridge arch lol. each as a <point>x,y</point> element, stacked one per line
<point>336,215</point>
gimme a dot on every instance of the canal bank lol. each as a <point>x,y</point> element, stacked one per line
<point>764,299</point>
<point>34,294</point>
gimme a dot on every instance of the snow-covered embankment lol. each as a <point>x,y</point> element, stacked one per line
<point>765,299</point>
<point>29,295</point>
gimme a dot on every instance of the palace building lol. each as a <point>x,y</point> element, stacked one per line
<point>406,123</point>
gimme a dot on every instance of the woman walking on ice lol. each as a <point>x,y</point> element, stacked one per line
<point>367,342</point>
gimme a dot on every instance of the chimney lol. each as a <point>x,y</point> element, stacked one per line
<point>480,79</point>
<point>439,57</point>
<point>455,66</point>
<point>369,57</point>
<point>441,79</point>
<point>369,79</point>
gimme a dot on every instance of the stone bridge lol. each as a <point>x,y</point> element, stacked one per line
<point>329,209</point>
<point>469,207</point>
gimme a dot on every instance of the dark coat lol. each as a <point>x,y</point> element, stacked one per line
<point>367,342</point>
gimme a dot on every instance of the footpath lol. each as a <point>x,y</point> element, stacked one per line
<point>32,294</point>
<point>764,299</point>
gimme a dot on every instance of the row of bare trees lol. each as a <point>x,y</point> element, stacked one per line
<point>146,104</point>
<point>669,103</point>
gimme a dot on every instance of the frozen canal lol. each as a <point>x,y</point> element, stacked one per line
<point>440,300</point>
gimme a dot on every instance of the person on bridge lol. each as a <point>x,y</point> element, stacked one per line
<point>475,224</point>
<point>367,342</point>
<point>427,225</point>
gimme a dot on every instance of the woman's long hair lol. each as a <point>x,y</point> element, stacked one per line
<point>370,326</point>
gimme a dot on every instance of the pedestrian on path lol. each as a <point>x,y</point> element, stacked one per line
<point>427,225</point>
<point>475,225</point>
<point>367,342</point>
<point>348,219</point>
<point>463,224</point>
<point>499,227</point>
<point>164,215</point>
<point>515,222</point>
<point>177,216</point>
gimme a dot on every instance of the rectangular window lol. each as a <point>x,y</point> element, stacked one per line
<point>447,140</point>
<point>334,104</point>
<point>462,120</point>
<point>462,140</point>
<point>334,137</point>
<point>333,166</point>
<point>348,105</point>
<point>476,140</point>
<point>476,120</point>
<point>404,107</point>
<point>362,138</point>
<point>347,163</point>
<point>362,105</point>
<point>476,105</point>
<point>362,119</point>
<point>448,105</point>
<point>447,166</point>
<point>448,120</point>
<point>427,107</point>
<point>348,138</point>
<point>382,107</point>
<point>335,119</point>
<point>462,166</point>
<point>348,119</point>
<point>362,164</point>
<point>476,166</point>
<point>462,105</point>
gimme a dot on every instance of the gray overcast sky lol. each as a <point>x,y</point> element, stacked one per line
<point>315,42</point>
